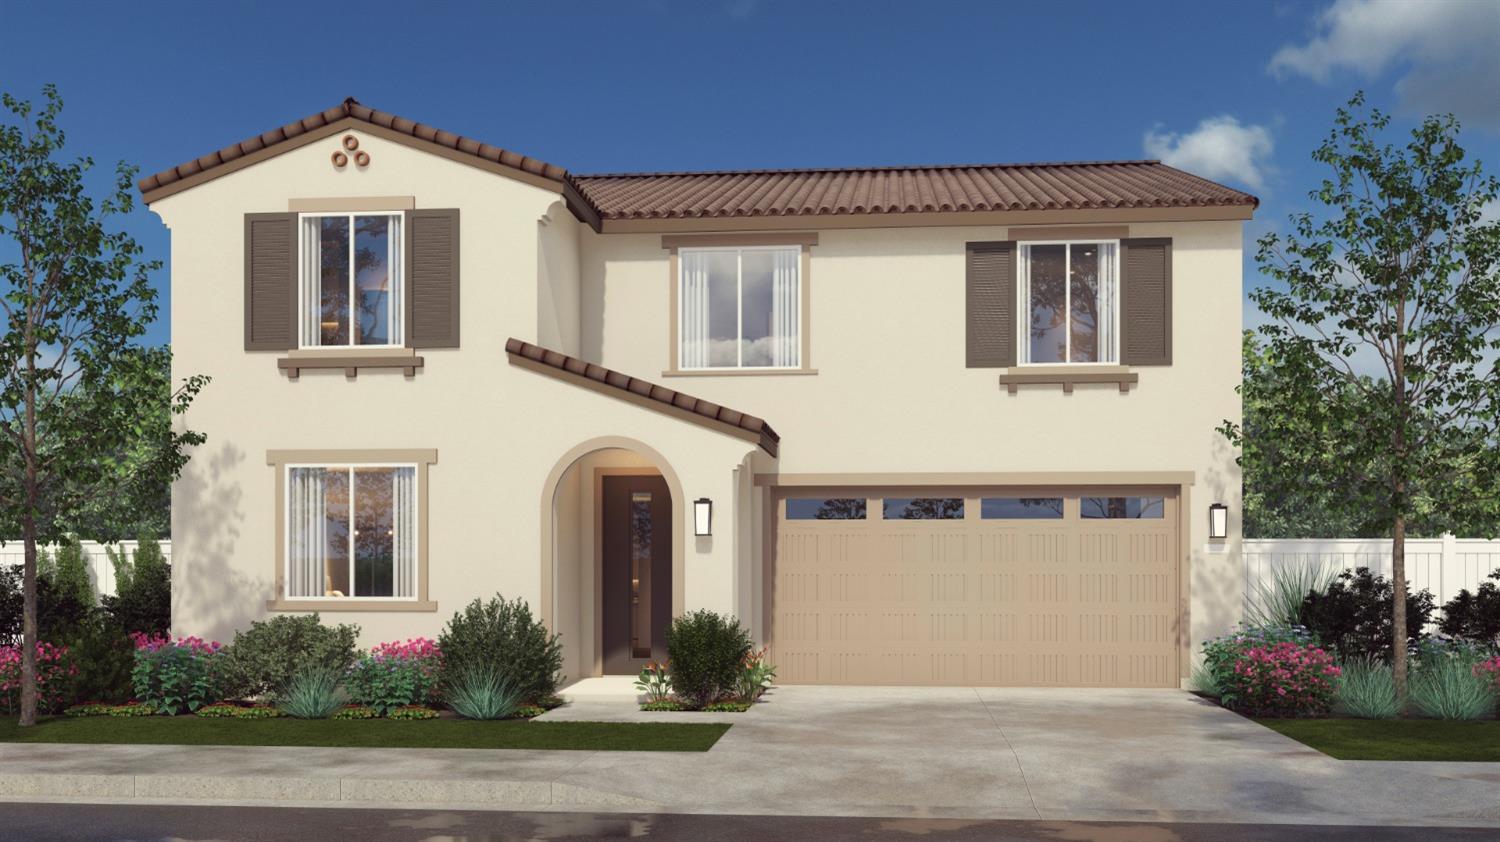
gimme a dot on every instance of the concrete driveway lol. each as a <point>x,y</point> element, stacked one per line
<point>1029,753</point>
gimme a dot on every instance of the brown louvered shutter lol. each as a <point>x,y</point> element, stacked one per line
<point>990,301</point>
<point>270,281</point>
<point>1146,301</point>
<point>432,278</point>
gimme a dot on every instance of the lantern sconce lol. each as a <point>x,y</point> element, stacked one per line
<point>703,517</point>
<point>1218,522</point>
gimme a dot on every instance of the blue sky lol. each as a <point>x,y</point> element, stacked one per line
<point>1237,92</point>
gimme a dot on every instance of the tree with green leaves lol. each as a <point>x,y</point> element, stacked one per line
<point>73,375</point>
<point>1396,268</point>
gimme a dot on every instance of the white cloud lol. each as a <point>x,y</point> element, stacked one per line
<point>1447,50</point>
<point>1221,148</point>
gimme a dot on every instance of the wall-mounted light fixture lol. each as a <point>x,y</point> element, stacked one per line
<point>703,517</point>
<point>1218,521</point>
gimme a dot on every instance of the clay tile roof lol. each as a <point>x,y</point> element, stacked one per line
<point>351,108</point>
<point>767,438</point>
<point>885,190</point>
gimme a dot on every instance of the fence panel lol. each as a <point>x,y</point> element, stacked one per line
<point>101,572</point>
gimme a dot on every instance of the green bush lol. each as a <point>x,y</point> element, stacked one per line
<point>480,691</point>
<point>57,611</point>
<point>1444,685</point>
<point>224,710</point>
<point>356,712</point>
<point>1278,602</point>
<point>705,651</point>
<point>413,712</point>
<point>1474,616</point>
<point>102,657</point>
<point>501,636</point>
<point>177,676</point>
<point>312,693</point>
<point>142,601</point>
<point>1366,690</point>
<point>1353,614</point>
<point>261,661</point>
<point>1216,674</point>
<point>68,572</point>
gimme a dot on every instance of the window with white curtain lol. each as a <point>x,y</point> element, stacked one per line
<point>1070,297</point>
<point>351,531</point>
<point>351,280</point>
<point>740,307</point>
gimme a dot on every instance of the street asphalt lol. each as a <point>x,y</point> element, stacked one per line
<point>146,823</point>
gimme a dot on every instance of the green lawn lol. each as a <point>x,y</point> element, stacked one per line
<point>376,733</point>
<point>1395,739</point>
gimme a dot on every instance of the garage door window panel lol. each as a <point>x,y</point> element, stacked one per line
<point>923,508</point>
<point>826,508</point>
<point>1122,508</point>
<point>1021,508</point>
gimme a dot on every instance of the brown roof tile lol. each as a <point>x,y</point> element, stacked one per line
<point>768,439</point>
<point>352,108</point>
<point>978,187</point>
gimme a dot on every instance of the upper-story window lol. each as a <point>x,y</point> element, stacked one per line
<point>740,308</point>
<point>1071,302</point>
<point>351,287</point>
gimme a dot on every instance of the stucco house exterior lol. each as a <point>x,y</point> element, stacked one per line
<point>919,425</point>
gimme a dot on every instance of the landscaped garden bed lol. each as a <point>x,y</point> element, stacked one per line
<point>443,732</point>
<point>711,668</point>
<point>1317,667</point>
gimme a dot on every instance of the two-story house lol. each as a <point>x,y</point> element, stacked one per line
<point>915,425</point>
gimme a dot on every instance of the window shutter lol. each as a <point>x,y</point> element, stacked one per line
<point>990,299</point>
<point>270,281</point>
<point>432,278</point>
<point>1146,301</point>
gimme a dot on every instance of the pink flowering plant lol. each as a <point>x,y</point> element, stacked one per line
<point>53,669</point>
<point>396,675</point>
<point>178,675</point>
<point>1489,670</point>
<point>1282,679</point>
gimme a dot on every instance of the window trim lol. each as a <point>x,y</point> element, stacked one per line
<point>1023,306</point>
<point>676,243</point>
<point>395,256</point>
<point>283,461</point>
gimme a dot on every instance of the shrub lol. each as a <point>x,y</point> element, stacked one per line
<point>1278,602</point>
<point>1283,679</point>
<point>705,651</point>
<point>88,709</point>
<point>1489,670</point>
<point>413,712</point>
<point>102,657</point>
<point>53,673</point>
<point>142,601</point>
<point>396,674</point>
<point>356,712</point>
<point>1353,614</point>
<point>132,709</point>
<point>224,710</point>
<point>312,693</point>
<point>1366,689</point>
<point>1203,681</point>
<point>653,682</point>
<point>757,674</point>
<point>664,705</point>
<point>1222,653</point>
<point>501,636</point>
<point>1474,616</point>
<point>176,676</point>
<point>68,572</point>
<point>528,712</point>
<point>261,661</point>
<point>1447,685</point>
<point>482,692</point>
<point>730,706</point>
<point>57,611</point>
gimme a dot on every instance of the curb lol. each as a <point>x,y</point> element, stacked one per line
<point>344,790</point>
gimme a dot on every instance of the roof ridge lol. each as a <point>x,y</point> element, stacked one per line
<point>882,168</point>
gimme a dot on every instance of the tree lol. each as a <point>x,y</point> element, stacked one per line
<point>142,601</point>
<point>72,375</point>
<point>1399,264</point>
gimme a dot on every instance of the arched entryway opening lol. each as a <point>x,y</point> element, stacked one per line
<point>613,517</point>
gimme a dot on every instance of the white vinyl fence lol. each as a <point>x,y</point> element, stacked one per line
<point>101,572</point>
<point>1443,565</point>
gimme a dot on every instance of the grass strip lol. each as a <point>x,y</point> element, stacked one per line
<point>1395,739</point>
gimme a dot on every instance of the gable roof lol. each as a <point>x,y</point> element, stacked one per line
<point>742,194</point>
<point>964,187</point>
<point>649,394</point>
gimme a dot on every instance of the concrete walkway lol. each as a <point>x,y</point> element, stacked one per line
<point>1046,754</point>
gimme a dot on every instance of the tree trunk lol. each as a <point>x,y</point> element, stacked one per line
<point>28,625</point>
<point>1398,608</point>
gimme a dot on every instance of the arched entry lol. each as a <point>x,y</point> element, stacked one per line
<point>586,506</point>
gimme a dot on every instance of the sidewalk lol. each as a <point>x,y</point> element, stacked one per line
<point>1104,755</point>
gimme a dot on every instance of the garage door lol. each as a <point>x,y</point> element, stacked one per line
<point>1021,587</point>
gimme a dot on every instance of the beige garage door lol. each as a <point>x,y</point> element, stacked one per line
<point>1022,587</point>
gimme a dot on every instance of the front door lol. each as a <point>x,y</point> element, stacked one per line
<point>637,572</point>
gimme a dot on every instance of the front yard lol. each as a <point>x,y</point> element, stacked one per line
<point>370,733</point>
<point>1395,739</point>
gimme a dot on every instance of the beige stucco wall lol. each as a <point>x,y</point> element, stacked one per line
<point>892,393</point>
<point>499,429</point>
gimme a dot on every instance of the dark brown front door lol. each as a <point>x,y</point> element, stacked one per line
<point>637,586</point>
